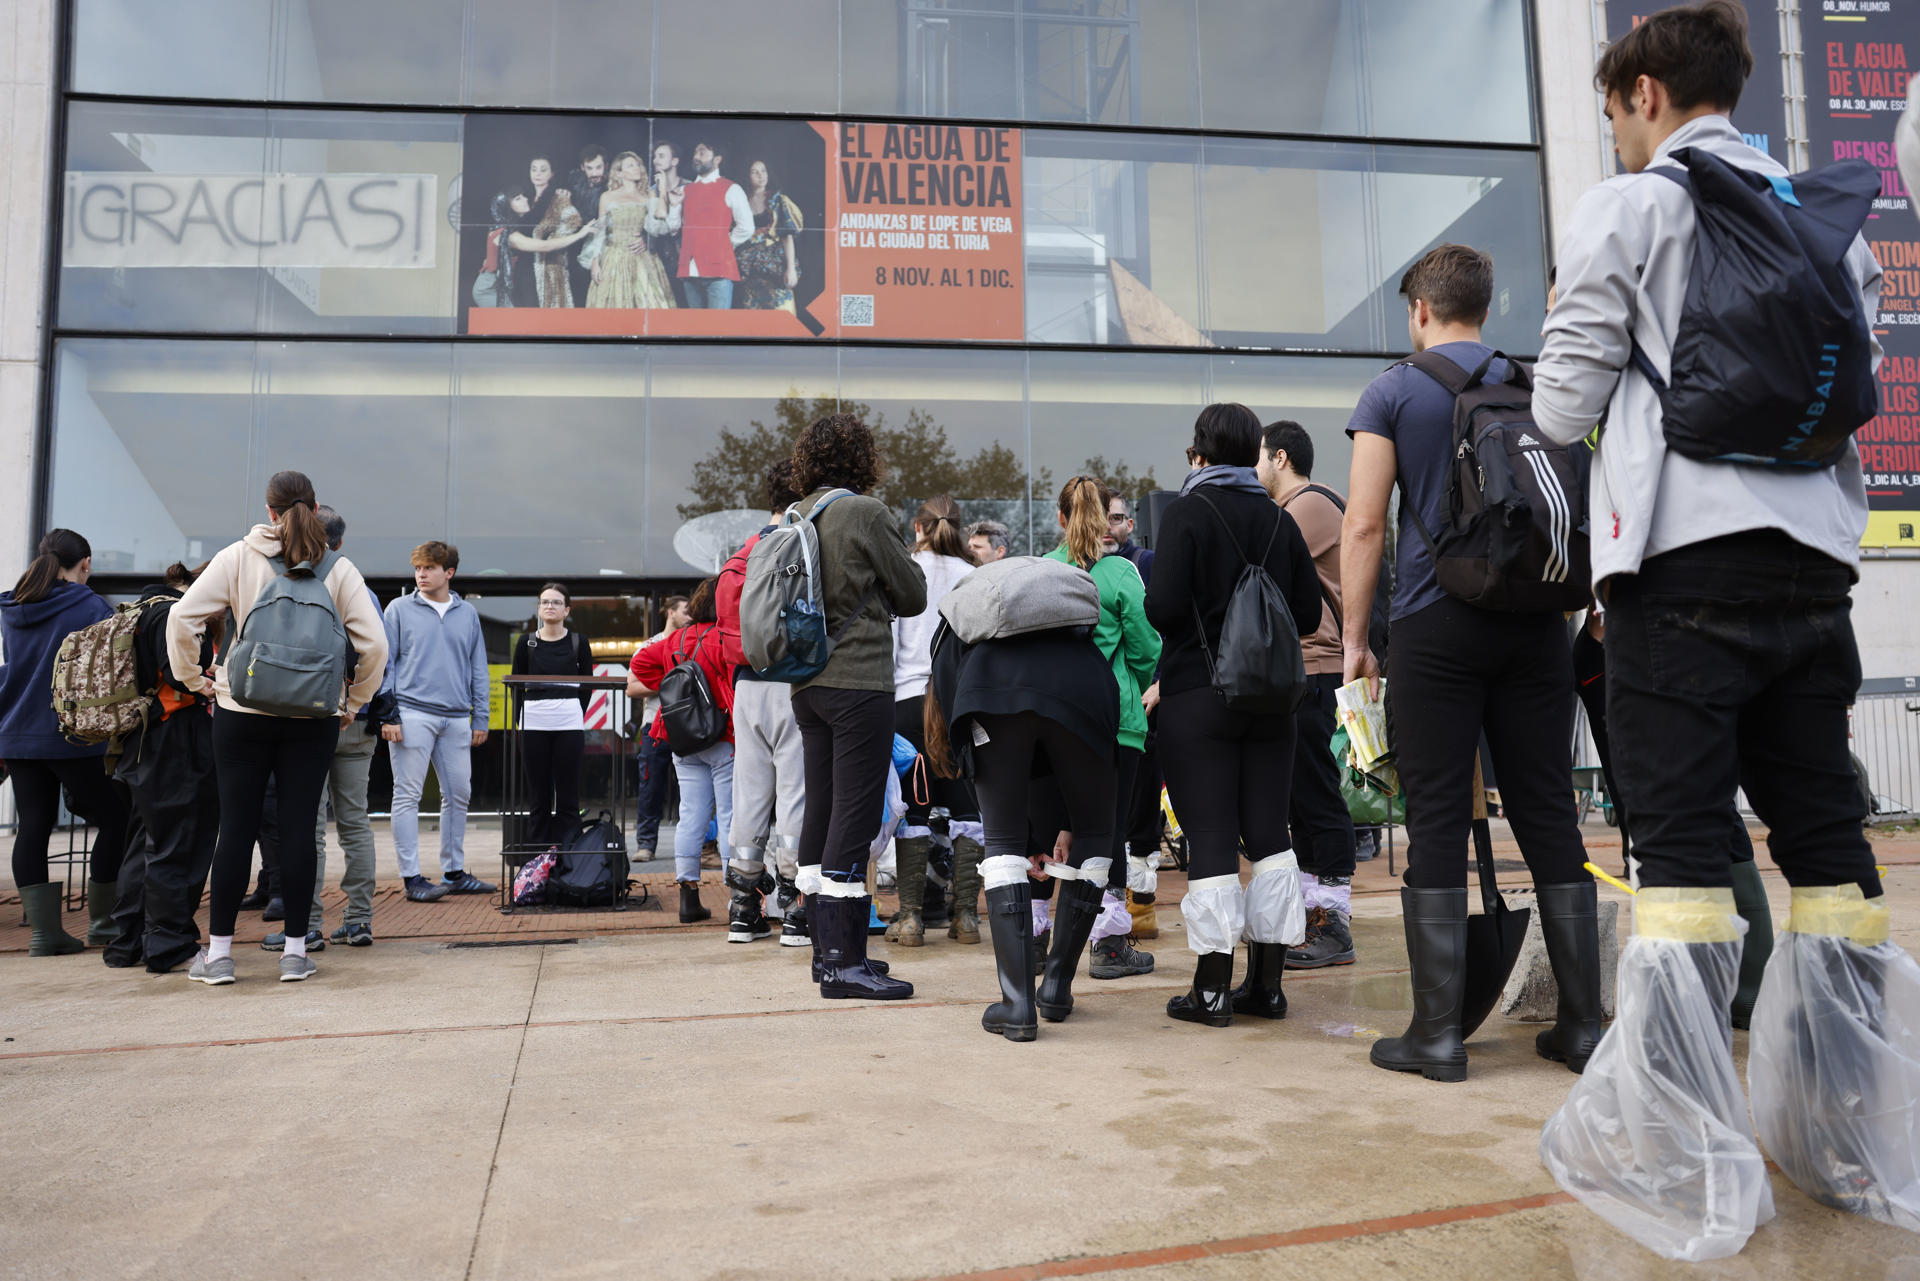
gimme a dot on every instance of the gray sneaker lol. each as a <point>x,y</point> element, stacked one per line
<point>212,973</point>
<point>295,968</point>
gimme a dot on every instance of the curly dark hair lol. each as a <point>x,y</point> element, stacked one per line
<point>837,452</point>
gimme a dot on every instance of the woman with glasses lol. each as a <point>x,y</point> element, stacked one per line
<point>552,718</point>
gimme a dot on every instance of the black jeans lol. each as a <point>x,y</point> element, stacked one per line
<point>1732,663</point>
<point>846,741</point>
<point>249,749</point>
<point>553,759</point>
<point>950,794</point>
<point>97,799</point>
<point>656,779</point>
<point>1458,670</point>
<point>1126,768</point>
<point>1229,776</point>
<point>1322,827</point>
<point>1003,769</point>
<point>177,800</point>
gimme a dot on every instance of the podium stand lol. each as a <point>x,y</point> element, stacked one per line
<point>520,845</point>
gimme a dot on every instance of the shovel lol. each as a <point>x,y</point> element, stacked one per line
<point>1494,937</point>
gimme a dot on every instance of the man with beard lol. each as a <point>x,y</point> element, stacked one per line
<point>715,220</point>
<point>586,185</point>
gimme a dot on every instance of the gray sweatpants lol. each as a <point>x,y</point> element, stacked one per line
<point>769,783</point>
<point>347,787</point>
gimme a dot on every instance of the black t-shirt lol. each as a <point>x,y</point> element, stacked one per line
<point>569,656</point>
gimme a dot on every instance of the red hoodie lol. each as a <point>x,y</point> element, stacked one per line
<point>706,645</point>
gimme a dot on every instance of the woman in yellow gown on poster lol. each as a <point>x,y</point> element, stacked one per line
<point>623,276</point>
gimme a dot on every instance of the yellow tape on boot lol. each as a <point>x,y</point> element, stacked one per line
<point>1685,914</point>
<point>1840,911</point>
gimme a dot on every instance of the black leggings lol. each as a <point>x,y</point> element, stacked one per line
<point>1003,779</point>
<point>99,800</point>
<point>553,776</point>
<point>846,744</point>
<point>1230,778</point>
<point>249,749</point>
<point>950,794</point>
<point>1126,767</point>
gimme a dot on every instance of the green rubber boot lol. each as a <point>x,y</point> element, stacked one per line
<point>100,927</point>
<point>910,875</point>
<point>967,854</point>
<point>49,938</point>
<point>1750,900</point>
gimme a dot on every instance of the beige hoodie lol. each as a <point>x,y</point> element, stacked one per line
<point>234,580</point>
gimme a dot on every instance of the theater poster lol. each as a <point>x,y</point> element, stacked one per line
<point>1859,56</point>
<point>740,228</point>
<point>1761,116</point>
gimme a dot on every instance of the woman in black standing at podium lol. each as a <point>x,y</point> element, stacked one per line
<point>552,718</point>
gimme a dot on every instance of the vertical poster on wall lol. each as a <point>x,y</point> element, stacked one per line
<point>1762,113</point>
<point>740,228</point>
<point>1860,55</point>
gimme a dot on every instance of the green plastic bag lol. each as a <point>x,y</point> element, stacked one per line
<point>1373,799</point>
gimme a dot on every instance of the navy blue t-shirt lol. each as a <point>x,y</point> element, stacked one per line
<point>1416,413</point>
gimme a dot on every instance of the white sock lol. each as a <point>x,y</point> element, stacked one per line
<point>219,946</point>
<point>296,944</point>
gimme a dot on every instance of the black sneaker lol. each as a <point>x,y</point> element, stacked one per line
<point>353,936</point>
<point>275,910</point>
<point>465,882</point>
<point>277,941</point>
<point>1115,957</point>
<point>1329,941</point>
<point>422,890</point>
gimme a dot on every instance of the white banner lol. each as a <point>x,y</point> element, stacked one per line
<point>232,220</point>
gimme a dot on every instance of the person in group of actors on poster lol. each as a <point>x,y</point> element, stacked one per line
<point>769,267</point>
<point>625,273</point>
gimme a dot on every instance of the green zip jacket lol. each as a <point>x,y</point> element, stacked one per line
<point>1125,636</point>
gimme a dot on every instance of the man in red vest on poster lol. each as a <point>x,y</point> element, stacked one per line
<point>716,219</point>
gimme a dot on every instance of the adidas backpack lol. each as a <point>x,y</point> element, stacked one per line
<point>1515,537</point>
<point>96,681</point>
<point>290,658</point>
<point>783,613</point>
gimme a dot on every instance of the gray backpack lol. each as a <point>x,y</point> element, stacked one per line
<point>1020,594</point>
<point>291,656</point>
<point>783,610</point>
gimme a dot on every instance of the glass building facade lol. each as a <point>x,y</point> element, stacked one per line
<point>276,217</point>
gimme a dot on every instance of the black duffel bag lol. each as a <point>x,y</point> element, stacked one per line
<point>593,866</point>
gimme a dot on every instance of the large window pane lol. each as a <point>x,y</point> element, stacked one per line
<point>239,220</point>
<point>1367,67</point>
<point>930,58</point>
<point>562,53</point>
<point>1124,418</point>
<point>549,458</point>
<point>150,449</point>
<point>1317,393</point>
<point>748,55</point>
<point>1112,246</point>
<point>949,422</point>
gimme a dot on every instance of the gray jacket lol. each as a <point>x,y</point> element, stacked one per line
<point>1624,262</point>
<point>439,663</point>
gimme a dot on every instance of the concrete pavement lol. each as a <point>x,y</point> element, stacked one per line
<point>663,1104</point>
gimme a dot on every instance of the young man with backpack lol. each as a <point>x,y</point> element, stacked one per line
<point>1322,828</point>
<point>441,681</point>
<point>1726,532</point>
<point>1468,655</point>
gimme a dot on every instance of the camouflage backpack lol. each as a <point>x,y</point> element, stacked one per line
<point>96,686</point>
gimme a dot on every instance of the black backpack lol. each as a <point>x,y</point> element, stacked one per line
<point>1377,614</point>
<point>688,709</point>
<point>1773,356</point>
<point>1515,537</point>
<point>592,868</point>
<point>1259,667</point>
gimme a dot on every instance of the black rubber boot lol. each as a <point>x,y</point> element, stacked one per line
<point>793,915</point>
<point>1075,909</point>
<point>746,918</point>
<point>262,894</point>
<point>811,903</point>
<point>49,937</point>
<point>840,925</point>
<point>1010,922</point>
<point>936,910</point>
<point>1209,1001</point>
<point>1436,925</point>
<point>1260,993</point>
<point>101,929</point>
<point>1750,900</point>
<point>1569,924</point>
<point>691,909</point>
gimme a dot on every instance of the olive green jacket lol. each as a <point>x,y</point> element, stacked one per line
<point>863,554</point>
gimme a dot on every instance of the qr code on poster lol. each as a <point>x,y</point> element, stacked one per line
<point>856,309</point>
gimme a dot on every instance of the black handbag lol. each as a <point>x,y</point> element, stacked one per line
<point>593,866</point>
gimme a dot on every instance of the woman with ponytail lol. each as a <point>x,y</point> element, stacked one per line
<point>1132,647</point>
<point>251,746</point>
<point>50,602</point>
<point>940,549</point>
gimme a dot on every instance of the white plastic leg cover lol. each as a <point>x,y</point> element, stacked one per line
<point>968,829</point>
<point>1142,878</point>
<point>1002,870</point>
<point>1835,1059</point>
<point>1654,1136</point>
<point>1215,912</point>
<point>1042,916</point>
<point>841,889</point>
<point>1276,912</point>
<point>1114,918</point>
<point>1096,870</point>
<point>807,879</point>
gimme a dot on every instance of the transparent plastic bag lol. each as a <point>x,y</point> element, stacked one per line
<point>1835,1065</point>
<point>1276,905</point>
<point>1654,1137</point>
